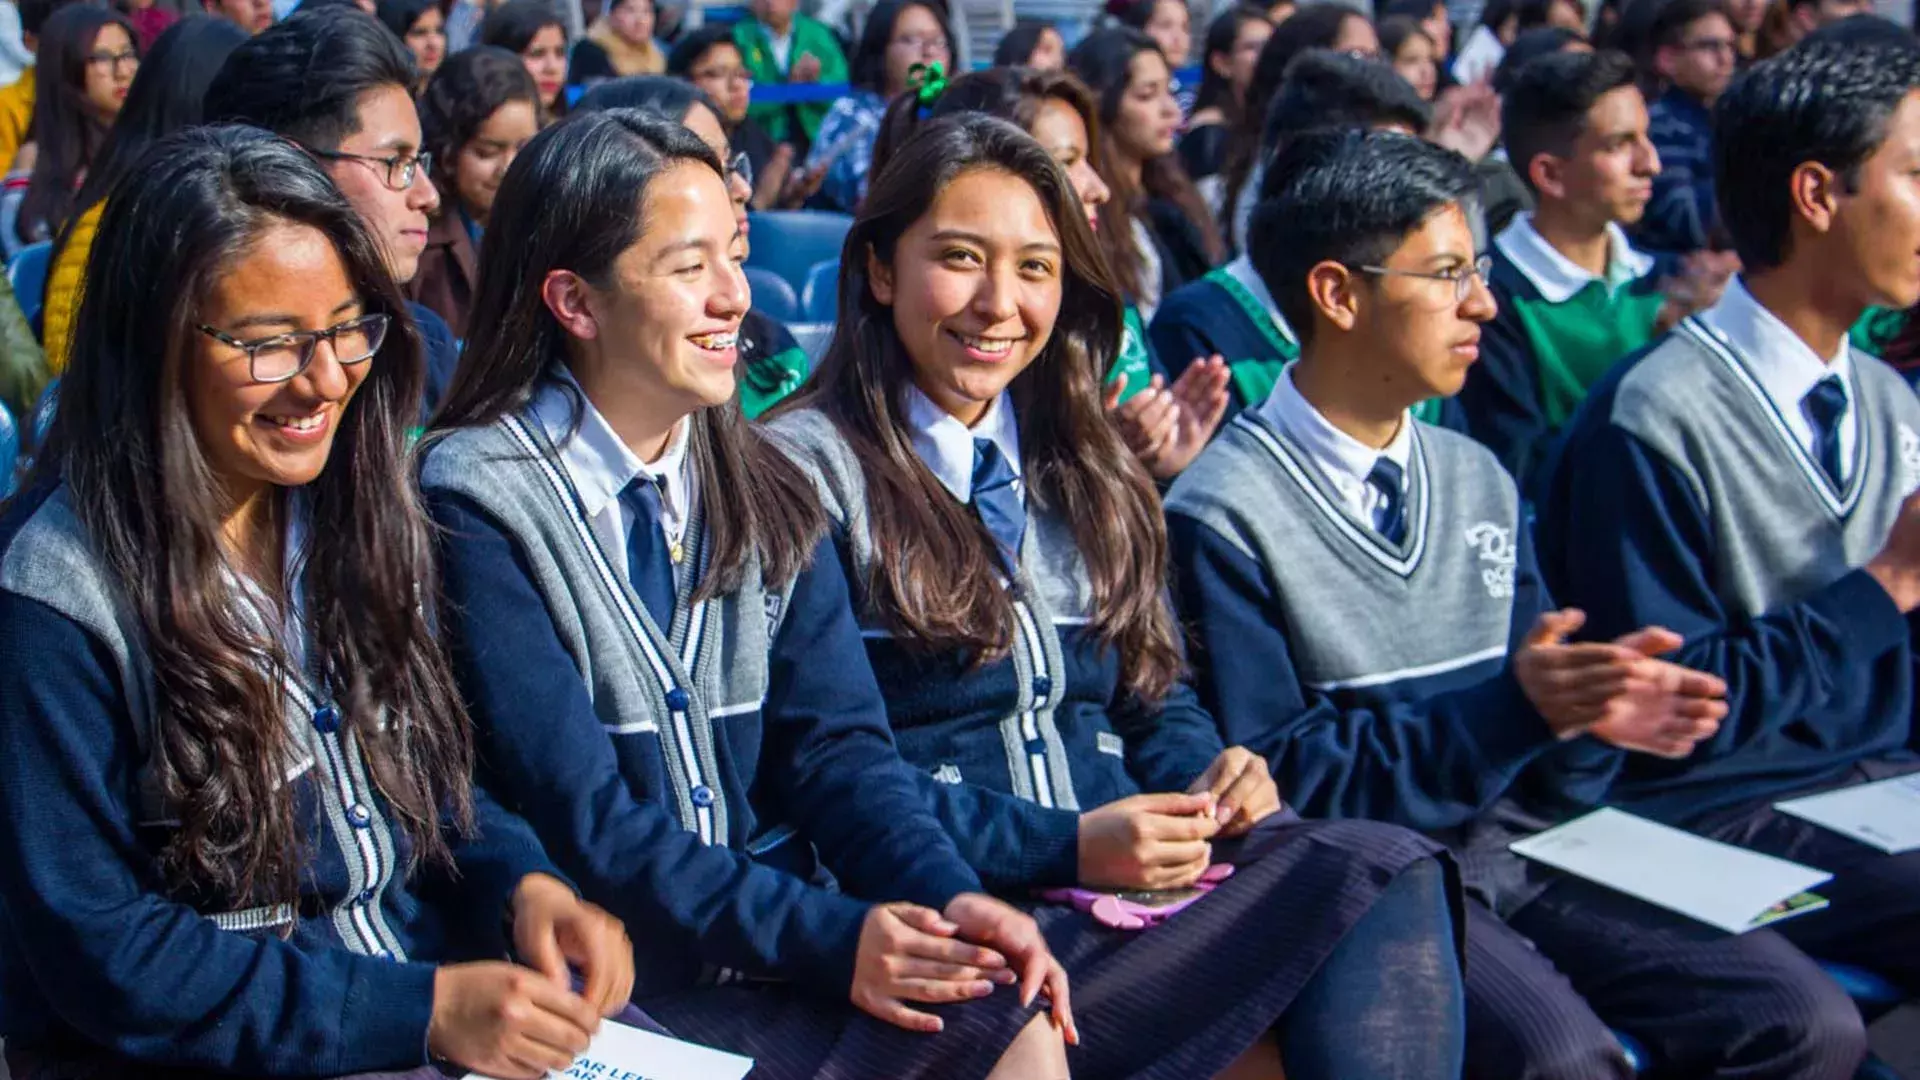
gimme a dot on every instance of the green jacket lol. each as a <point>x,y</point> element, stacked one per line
<point>809,36</point>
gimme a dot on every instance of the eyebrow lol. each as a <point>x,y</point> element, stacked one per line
<point>693,244</point>
<point>266,319</point>
<point>975,238</point>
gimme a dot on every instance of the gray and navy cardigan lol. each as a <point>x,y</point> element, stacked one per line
<point>98,954</point>
<point>668,768</point>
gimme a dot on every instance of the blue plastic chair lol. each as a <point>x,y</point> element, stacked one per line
<point>772,295</point>
<point>27,273</point>
<point>41,420</point>
<point>791,242</point>
<point>820,300</point>
<point>9,451</point>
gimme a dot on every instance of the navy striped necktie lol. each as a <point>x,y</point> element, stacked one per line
<point>649,559</point>
<point>996,498</point>
<point>1390,517</point>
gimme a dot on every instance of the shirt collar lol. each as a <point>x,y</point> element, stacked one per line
<point>598,461</point>
<point>1343,460</point>
<point>1785,367</point>
<point>1556,276</point>
<point>1242,271</point>
<point>945,444</point>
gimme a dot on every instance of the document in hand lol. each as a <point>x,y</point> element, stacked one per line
<point>620,1052</point>
<point>1721,885</point>
<point>1884,814</point>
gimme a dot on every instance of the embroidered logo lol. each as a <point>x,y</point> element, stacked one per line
<point>1909,458</point>
<point>1111,743</point>
<point>1495,545</point>
<point>947,774</point>
<point>776,607</point>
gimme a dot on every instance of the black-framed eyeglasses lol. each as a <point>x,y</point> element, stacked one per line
<point>127,59</point>
<point>1716,46</point>
<point>283,356</point>
<point>1462,277</point>
<point>741,165</point>
<point>401,170</point>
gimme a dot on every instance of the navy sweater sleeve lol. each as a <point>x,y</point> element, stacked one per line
<point>1501,398</point>
<point>137,974</point>
<point>1177,336</point>
<point>1635,551</point>
<point>544,747</point>
<point>1426,764</point>
<point>1169,744</point>
<point>833,759</point>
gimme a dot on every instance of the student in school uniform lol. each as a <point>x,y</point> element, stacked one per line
<point>1369,617</point>
<point>1007,558</point>
<point>1164,424</point>
<point>653,635</point>
<point>355,113</point>
<point>1229,312</point>
<point>240,835</point>
<point>1574,295</point>
<point>1747,482</point>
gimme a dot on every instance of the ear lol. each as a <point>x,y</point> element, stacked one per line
<point>566,295</point>
<point>1331,288</point>
<point>1219,66</point>
<point>1548,175</point>
<point>879,279</point>
<point>1663,62</point>
<point>1815,191</point>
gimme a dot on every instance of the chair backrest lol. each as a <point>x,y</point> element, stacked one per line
<point>27,273</point>
<point>790,242</point>
<point>9,451</point>
<point>772,295</point>
<point>40,421</point>
<point>819,301</point>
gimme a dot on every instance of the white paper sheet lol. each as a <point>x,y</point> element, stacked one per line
<point>1884,814</point>
<point>620,1052</point>
<point>1721,885</point>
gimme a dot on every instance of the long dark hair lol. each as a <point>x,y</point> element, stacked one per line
<point>141,484</point>
<point>867,67</point>
<point>469,87</point>
<point>1105,61</point>
<point>1216,90</point>
<point>1313,27</point>
<point>935,579</point>
<point>1016,48</point>
<point>1014,94</point>
<point>574,200</point>
<point>513,25</point>
<point>167,96</point>
<point>65,129</point>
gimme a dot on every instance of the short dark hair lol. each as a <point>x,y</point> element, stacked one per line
<point>695,44</point>
<point>661,95</point>
<point>1865,27</point>
<point>1546,108</point>
<point>1327,89</point>
<point>1016,48</point>
<point>513,25</point>
<point>1669,24</point>
<point>1823,101</point>
<point>470,87</point>
<point>1527,45</point>
<point>35,13</point>
<point>400,15</point>
<point>1347,196</point>
<point>302,78</point>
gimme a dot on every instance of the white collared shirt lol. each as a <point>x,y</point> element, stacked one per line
<point>601,465</point>
<point>1342,460</point>
<point>1242,271</point>
<point>1784,366</point>
<point>1150,270</point>
<point>781,46</point>
<point>945,444</point>
<point>1557,277</point>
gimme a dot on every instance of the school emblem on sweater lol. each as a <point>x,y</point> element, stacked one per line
<point>947,774</point>
<point>1909,458</point>
<point>1495,544</point>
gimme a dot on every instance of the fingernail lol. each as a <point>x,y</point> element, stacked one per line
<point>981,989</point>
<point>1005,977</point>
<point>1223,813</point>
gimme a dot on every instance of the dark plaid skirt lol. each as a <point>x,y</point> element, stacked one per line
<point>1178,1001</point>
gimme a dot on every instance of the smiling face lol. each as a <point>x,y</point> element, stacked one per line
<point>389,127</point>
<point>1147,118</point>
<point>1415,337</point>
<point>482,161</point>
<point>256,435</point>
<point>1876,225</point>
<point>975,287</point>
<point>1060,129</point>
<point>659,337</point>
<point>110,67</point>
<point>546,60</point>
<point>427,40</point>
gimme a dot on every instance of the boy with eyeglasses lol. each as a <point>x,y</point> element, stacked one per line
<point>354,113</point>
<point>1694,58</point>
<point>1367,614</point>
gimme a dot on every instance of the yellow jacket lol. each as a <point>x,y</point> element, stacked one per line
<point>16,115</point>
<point>64,278</point>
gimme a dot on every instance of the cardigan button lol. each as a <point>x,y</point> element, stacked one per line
<point>703,796</point>
<point>359,816</point>
<point>677,700</point>
<point>326,719</point>
<point>1042,689</point>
